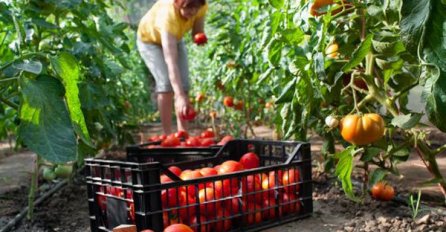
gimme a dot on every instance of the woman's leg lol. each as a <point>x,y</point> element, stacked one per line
<point>165,104</point>
<point>184,71</point>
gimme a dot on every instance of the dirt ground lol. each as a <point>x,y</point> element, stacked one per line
<point>67,210</point>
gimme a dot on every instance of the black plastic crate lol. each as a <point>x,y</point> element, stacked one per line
<point>243,205</point>
<point>142,153</point>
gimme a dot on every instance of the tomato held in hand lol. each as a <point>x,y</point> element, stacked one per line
<point>200,38</point>
<point>190,114</point>
<point>362,129</point>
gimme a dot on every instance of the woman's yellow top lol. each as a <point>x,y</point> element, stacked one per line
<point>164,16</point>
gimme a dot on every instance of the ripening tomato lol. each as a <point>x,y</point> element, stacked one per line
<point>230,166</point>
<point>290,180</point>
<point>269,105</point>
<point>225,187</point>
<point>233,205</point>
<point>165,179</point>
<point>213,114</point>
<point>200,97</point>
<point>225,139</point>
<point>228,101</point>
<point>178,228</point>
<point>208,171</point>
<point>382,191</point>
<point>332,50</point>
<point>362,129</point>
<point>358,82</point>
<point>200,38</point>
<point>188,209</point>
<point>250,160</point>
<point>208,133</point>
<point>238,105</point>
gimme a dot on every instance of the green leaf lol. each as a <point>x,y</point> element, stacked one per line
<point>370,153</point>
<point>359,54</point>
<point>435,38</point>
<point>66,66</point>
<point>435,96</point>
<point>29,66</point>
<point>407,121</point>
<point>287,93</point>
<point>276,3</point>
<point>275,52</point>
<point>45,125</point>
<point>293,36</point>
<point>415,14</point>
<point>377,175</point>
<point>344,170</point>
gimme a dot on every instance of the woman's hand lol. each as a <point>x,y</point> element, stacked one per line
<point>182,104</point>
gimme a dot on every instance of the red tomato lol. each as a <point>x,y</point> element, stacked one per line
<point>188,209</point>
<point>290,204</point>
<point>178,228</point>
<point>269,182</point>
<point>228,101</point>
<point>205,227</point>
<point>225,139</point>
<point>154,138</point>
<point>209,133</point>
<point>230,166</point>
<point>176,170</point>
<point>233,205</point>
<point>223,222</point>
<point>131,212</point>
<point>206,142</point>
<point>173,197</point>
<point>290,180</point>
<point>190,114</point>
<point>162,137</point>
<point>171,141</point>
<point>250,185</point>
<point>165,179</point>
<point>200,38</point>
<point>226,187</point>
<point>193,142</point>
<point>182,134</point>
<point>102,201</point>
<point>271,207</point>
<point>207,171</point>
<point>115,191</point>
<point>382,191</point>
<point>190,176</point>
<point>208,204</point>
<point>250,160</point>
<point>252,217</point>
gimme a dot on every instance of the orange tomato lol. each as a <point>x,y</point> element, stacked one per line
<point>362,129</point>
<point>382,191</point>
<point>228,101</point>
<point>178,228</point>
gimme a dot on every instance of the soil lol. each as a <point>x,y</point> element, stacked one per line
<point>67,210</point>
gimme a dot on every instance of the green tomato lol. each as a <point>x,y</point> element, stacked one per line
<point>63,171</point>
<point>48,174</point>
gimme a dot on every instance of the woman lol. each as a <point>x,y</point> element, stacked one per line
<point>160,44</point>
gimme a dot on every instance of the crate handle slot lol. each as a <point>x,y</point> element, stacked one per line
<point>294,154</point>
